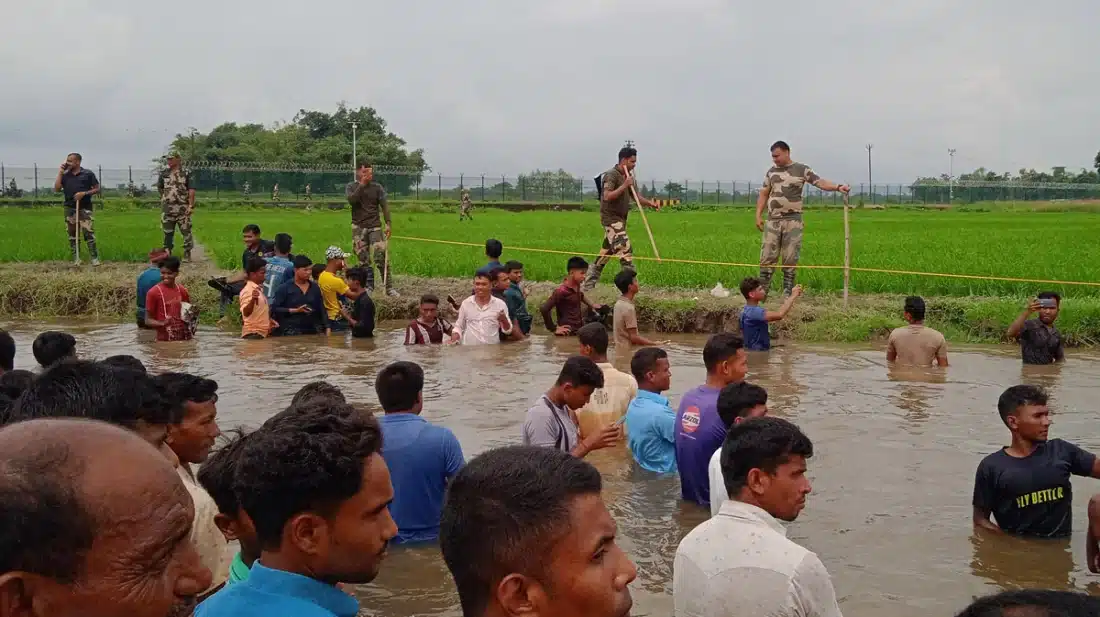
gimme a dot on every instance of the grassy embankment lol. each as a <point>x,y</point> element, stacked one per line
<point>1042,245</point>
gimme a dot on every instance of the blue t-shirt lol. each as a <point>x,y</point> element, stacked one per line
<point>422,458</point>
<point>699,433</point>
<point>489,266</point>
<point>754,328</point>
<point>651,432</point>
<point>279,271</point>
<point>146,281</point>
<point>275,593</point>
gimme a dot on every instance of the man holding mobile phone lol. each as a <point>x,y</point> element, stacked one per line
<point>1040,341</point>
<point>78,185</point>
<point>298,305</point>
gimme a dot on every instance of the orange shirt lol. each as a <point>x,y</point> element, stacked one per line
<point>259,322</point>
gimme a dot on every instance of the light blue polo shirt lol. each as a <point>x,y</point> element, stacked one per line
<point>275,593</point>
<point>651,432</point>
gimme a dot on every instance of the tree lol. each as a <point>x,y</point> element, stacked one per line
<point>543,185</point>
<point>674,190</point>
<point>1096,162</point>
<point>313,140</point>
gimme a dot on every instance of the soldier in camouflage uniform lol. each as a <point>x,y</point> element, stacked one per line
<point>614,208</point>
<point>309,192</point>
<point>782,194</point>
<point>275,192</point>
<point>464,212</point>
<point>177,203</point>
<point>368,209</point>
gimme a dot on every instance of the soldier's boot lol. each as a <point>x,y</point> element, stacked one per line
<point>766,279</point>
<point>370,279</point>
<point>595,270</point>
<point>187,255</point>
<point>788,282</point>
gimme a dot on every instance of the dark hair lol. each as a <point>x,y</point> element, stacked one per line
<point>254,264</point>
<point>481,274</point>
<point>364,162</point>
<point>719,348</point>
<point>302,261</point>
<point>645,360</point>
<point>14,383</point>
<point>504,512</point>
<point>493,248</point>
<point>914,305</point>
<point>255,229</point>
<point>748,284</point>
<point>1016,397</point>
<point>624,278</point>
<point>357,274</point>
<point>627,152</point>
<point>77,155</point>
<point>7,351</point>
<point>180,388</point>
<point>217,473</point>
<point>171,264</point>
<point>429,299</point>
<point>737,399</point>
<point>316,391</point>
<point>579,371</point>
<point>1049,295</point>
<point>782,145</point>
<point>399,386</point>
<point>49,348</point>
<point>283,243</point>
<point>81,389</point>
<point>512,266</point>
<point>594,335</point>
<point>47,527</point>
<point>274,485</point>
<point>760,443</point>
<point>495,272</point>
<point>1043,602</point>
<point>317,270</point>
<point>125,361</point>
<point>576,263</point>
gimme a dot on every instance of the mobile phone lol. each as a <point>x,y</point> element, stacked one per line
<point>307,308</point>
<point>620,421</point>
<point>1047,303</point>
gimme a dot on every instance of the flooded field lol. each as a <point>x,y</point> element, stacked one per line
<point>895,453</point>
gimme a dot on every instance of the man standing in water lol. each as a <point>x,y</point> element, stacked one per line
<point>1040,341</point>
<point>164,305</point>
<point>368,209</point>
<point>614,208</point>
<point>1026,486</point>
<point>79,185</point>
<point>177,202</point>
<point>782,194</point>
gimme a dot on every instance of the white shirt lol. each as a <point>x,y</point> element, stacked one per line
<point>741,563</point>
<point>717,482</point>
<point>608,404</point>
<point>212,546</point>
<point>478,325</point>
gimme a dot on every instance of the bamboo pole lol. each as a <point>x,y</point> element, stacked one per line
<point>847,252</point>
<point>641,210</point>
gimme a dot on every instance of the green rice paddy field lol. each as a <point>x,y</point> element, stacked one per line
<point>1038,245</point>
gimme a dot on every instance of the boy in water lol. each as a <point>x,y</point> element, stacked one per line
<point>567,300</point>
<point>164,305</point>
<point>755,318</point>
<point>216,477</point>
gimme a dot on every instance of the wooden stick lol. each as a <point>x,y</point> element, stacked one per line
<point>847,251</point>
<point>641,210</point>
<point>386,265</point>
<point>77,228</point>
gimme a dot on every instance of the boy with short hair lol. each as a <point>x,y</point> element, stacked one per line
<point>333,288</point>
<point>1040,341</point>
<point>147,280</point>
<point>255,309</point>
<point>755,318</point>
<point>493,250</point>
<point>737,402</point>
<point>216,477</point>
<point>915,344</point>
<point>361,315</point>
<point>516,298</point>
<point>428,328</point>
<point>49,348</point>
<point>567,300</point>
<point>164,305</point>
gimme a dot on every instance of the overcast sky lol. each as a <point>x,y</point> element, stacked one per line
<point>506,86</point>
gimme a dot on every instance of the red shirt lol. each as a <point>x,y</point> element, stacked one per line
<point>164,303</point>
<point>566,299</point>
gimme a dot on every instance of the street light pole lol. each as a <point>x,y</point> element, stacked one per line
<point>869,183</point>
<point>951,176</point>
<point>354,148</point>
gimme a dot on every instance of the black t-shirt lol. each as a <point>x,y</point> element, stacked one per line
<point>266,248</point>
<point>363,311</point>
<point>80,182</point>
<point>1040,343</point>
<point>1032,496</point>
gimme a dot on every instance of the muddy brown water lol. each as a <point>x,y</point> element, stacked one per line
<point>895,453</point>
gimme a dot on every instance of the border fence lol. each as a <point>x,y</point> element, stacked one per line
<point>258,183</point>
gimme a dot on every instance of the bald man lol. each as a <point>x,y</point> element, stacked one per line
<point>95,523</point>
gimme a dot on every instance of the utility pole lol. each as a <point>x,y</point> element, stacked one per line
<point>951,176</point>
<point>869,183</point>
<point>354,148</point>
<point>630,143</point>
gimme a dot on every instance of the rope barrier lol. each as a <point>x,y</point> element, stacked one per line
<point>733,264</point>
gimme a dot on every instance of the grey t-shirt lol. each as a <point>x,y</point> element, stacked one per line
<point>550,426</point>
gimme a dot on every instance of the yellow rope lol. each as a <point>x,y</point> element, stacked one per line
<point>734,264</point>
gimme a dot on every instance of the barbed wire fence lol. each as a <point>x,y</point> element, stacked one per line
<point>288,184</point>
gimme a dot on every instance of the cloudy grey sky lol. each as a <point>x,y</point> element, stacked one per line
<point>505,86</point>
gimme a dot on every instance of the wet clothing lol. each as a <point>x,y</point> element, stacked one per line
<point>259,322</point>
<point>1040,343</point>
<point>517,307</point>
<point>916,345</point>
<point>625,318</point>
<point>566,301</point>
<point>608,404</point>
<point>478,325</point>
<point>422,458</point>
<point>699,432</point>
<point>550,426</point>
<point>280,270</point>
<point>238,570</point>
<point>291,296</point>
<point>265,249</point>
<point>754,328</point>
<point>651,432</point>
<point>1032,496</point>
<point>166,303</point>
<point>363,312</point>
<point>417,333</point>
<point>332,289</point>
<point>488,267</point>
<point>78,182</point>
<point>275,593</point>
<point>147,280</point>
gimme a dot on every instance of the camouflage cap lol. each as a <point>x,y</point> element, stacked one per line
<point>172,154</point>
<point>335,252</point>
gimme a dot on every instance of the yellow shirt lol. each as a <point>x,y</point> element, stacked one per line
<point>331,287</point>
